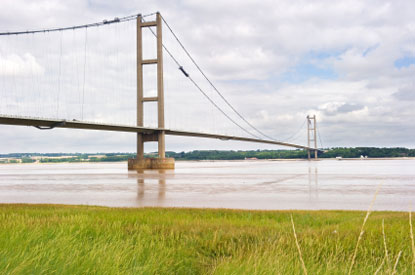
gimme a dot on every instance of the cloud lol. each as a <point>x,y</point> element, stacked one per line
<point>15,65</point>
<point>406,93</point>
<point>334,108</point>
<point>245,63</point>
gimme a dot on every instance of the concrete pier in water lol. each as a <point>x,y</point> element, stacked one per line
<point>151,163</point>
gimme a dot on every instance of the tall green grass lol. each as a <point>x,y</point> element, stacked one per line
<point>48,239</point>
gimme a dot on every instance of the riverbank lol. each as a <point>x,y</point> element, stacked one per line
<point>39,239</point>
<point>63,160</point>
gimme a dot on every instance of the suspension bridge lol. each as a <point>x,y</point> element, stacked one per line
<point>62,98</point>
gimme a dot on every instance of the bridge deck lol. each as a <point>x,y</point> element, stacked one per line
<point>74,124</point>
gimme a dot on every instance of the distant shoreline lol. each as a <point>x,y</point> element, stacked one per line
<point>217,160</point>
<point>340,153</point>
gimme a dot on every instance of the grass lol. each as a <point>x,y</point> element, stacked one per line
<point>50,239</point>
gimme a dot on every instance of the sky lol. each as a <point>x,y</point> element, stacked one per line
<point>350,63</point>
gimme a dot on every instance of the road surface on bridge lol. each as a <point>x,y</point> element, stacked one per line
<point>44,124</point>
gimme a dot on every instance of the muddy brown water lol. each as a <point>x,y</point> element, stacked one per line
<point>325,184</point>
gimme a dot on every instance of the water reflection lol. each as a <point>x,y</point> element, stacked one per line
<point>150,176</point>
<point>313,183</point>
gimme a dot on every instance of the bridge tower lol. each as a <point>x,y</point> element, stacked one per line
<point>312,135</point>
<point>140,162</point>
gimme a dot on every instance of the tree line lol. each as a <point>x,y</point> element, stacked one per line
<point>343,152</point>
<point>357,152</point>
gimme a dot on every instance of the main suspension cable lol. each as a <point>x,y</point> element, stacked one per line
<point>201,90</point>
<point>211,84</point>
<point>97,24</point>
<point>133,17</point>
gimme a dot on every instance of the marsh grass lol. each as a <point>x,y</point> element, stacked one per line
<point>412,241</point>
<point>298,247</point>
<point>362,231</point>
<point>48,239</point>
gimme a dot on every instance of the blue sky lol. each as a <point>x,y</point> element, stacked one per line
<point>405,61</point>
<point>319,65</point>
<point>310,68</point>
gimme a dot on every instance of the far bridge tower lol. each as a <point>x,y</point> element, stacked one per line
<point>312,135</point>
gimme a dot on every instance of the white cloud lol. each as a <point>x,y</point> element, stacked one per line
<point>15,65</point>
<point>241,63</point>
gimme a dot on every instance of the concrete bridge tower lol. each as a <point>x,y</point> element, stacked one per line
<point>161,162</point>
<point>312,135</point>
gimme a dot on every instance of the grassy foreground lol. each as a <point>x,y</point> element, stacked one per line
<point>49,239</point>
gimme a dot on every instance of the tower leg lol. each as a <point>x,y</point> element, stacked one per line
<point>161,145</point>
<point>140,146</point>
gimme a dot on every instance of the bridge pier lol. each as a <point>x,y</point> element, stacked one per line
<point>142,163</point>
<point>151,163</point>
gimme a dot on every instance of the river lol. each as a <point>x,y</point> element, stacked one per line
<point>324,184</point>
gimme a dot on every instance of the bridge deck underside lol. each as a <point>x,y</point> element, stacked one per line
<point>74,124</point>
